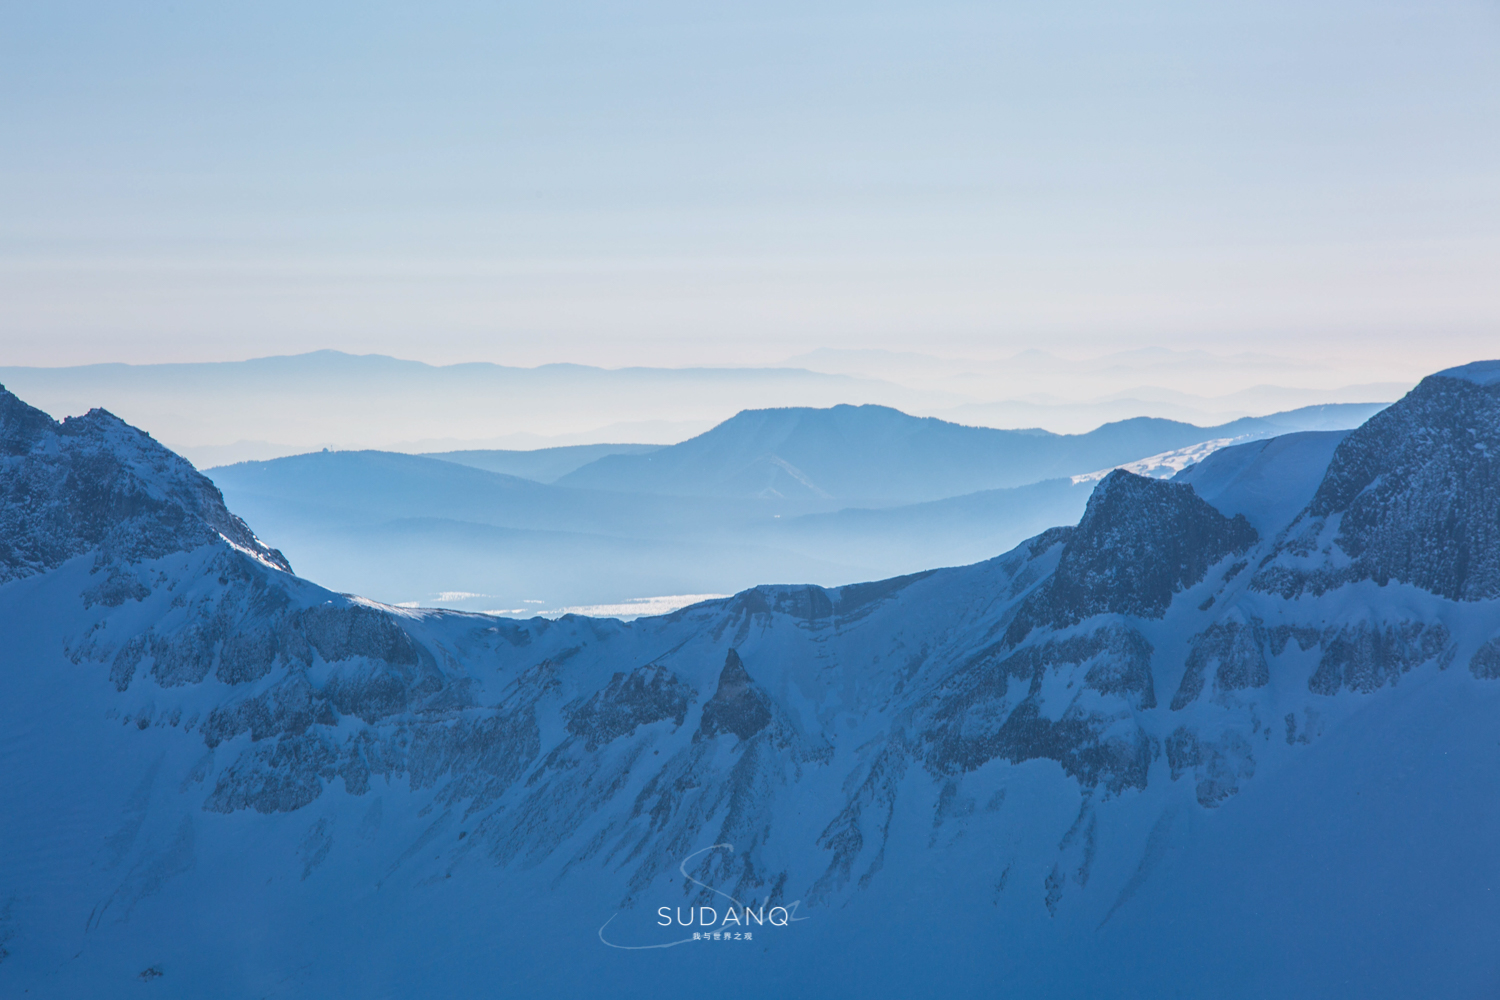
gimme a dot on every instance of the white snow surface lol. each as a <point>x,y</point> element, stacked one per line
<point>1164,465</point>
<point>635,607</point>
<point>1268,481</point>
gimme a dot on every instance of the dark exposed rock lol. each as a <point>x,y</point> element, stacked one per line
<point>1485,664</point>
<point>316,844</point>
<point>375,690</point>
<point>1236,650</point>
<point>858,599</point>
<point>737,707</point>
<point>810,604</point>
<point>1183,752</point>
<point>1052,536</point>
<point>1219,765</point>
<point>117,587</point>
<point>240,632</point>
<point>1119,661</point>
<point>973,720</point>
<point>1307,637</point>
<point>122,669</point>
<point>1415,495</point>
<point>1140,542</point>
<point>1367,656</point>
<point>288,708</point>
<point>342,631</point>
<point>1079,741</point>
<point>279,778</point>
<point>1118,656</point>
<point>480,758</point>
<point>866,814</point>
<point>96,483</point>
<point>639,698</point>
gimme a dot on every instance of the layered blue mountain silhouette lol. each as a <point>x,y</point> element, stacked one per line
<point>876,456</point>
<point>824,495</point>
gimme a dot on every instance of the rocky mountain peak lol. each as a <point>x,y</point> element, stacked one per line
<point>737,707</point>
<point>1410,496</point>
<point>94,482</point>
<point>1140,542</point>
<point>21,425</point>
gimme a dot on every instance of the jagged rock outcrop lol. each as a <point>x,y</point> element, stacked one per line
<point>1140,542</point>
<point>1412,496</point>
<point>639,698</point>
<point>1217,765</point>
<point>737,707</point>
<point>974,718</point>
<point>95,484</point>
<point>1232,653</point>
<point>1366,656</point>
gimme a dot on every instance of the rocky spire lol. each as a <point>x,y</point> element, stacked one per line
<point>737,707</point>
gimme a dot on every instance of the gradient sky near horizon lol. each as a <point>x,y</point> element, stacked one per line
<point>685,183</point>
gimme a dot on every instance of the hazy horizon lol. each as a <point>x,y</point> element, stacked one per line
<point>216,413</point>
<point>673,185</point>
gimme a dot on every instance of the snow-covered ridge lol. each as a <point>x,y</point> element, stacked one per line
<point>1165,465</point>
<point>1478,372</point>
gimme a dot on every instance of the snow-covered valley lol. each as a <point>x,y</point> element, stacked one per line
<point>1234,734</point>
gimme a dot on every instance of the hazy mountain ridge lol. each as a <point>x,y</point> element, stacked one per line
<point>222,412</point>
<point>545,465</point>
<point>410,528</point>
<point>875,456</point>
<point>322,399</point>
<point>1014,714</point>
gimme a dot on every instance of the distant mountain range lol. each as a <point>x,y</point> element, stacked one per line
<point>1228,735</point>
<point>829,496</point>
<point>225,412</point>
<point>876,456</point>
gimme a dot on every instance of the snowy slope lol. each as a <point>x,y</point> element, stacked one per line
<point>1175,750</point>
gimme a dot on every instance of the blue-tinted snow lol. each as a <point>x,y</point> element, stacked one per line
<point>1479,372</point>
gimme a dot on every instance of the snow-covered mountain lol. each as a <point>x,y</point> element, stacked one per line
<point>1231,735</point>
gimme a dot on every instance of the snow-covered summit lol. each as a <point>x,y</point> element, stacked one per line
<point>1478,372</point>
<point>1140,542</point>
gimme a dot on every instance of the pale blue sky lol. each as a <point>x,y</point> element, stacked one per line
<point>720,183</point>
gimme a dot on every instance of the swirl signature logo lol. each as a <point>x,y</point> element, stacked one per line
<point>730,921</point>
